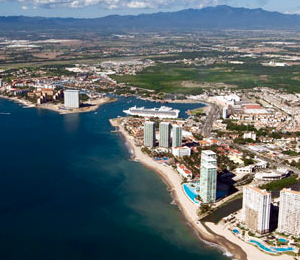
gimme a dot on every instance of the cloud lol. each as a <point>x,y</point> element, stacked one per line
<point>138,5</point>
<point>130,4</point>
<point>24,7</point>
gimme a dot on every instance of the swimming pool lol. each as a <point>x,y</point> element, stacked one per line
<point>282,240</point>
<point>235,231</point>
<point>192,191</point>
<point>272,249</point>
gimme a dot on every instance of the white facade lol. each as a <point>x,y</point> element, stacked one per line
<point>149,134</point>
<point>164,134</point>
<point>289,212</point>
<point>71,98</point>
<point>177,136</point>
<point>256,209</point>
<point>250,135</point>
<point>208,176</point>
<point>181,151</point>
<point>225,114</point>
<point>184,172</point>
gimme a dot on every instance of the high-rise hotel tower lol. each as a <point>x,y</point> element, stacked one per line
<point>208,176</point>
<point>164,134</point>
<point>177,136</point>
<point>289,212</point>
<point>256,209</point>
<point>149,134</point>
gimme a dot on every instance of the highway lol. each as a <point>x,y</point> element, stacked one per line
<point>213,115</point>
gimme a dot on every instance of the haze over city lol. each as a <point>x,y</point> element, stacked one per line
<point>100,8</point>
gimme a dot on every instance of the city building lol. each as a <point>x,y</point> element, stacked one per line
<point>225,112</point>
<point>1,82</point>
<point>184,172</point>
<point>164,134</point>
<point>181,151</point>
<point>208,176</point>
<point>149,134</point>
<point>289,212</point>
<point>250,135</point>
<point>177,136</point>
<point>71,98</point>
<point>256,209</point>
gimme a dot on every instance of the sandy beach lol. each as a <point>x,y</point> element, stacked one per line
<point>216,235</point>
<point>88,106</point>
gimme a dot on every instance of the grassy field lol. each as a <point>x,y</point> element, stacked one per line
<point>169,77</point>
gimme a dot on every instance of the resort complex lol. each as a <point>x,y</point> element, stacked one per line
<point>215,113</point>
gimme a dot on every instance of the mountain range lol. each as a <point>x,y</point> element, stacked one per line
<point>219,17</point>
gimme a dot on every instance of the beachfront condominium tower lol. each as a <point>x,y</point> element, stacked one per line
<point>289,212</point>
<point>256,209</point>
<point>208,176</point>
<point>177,136</point>
<point>149,134</point>
<point>71,98</point>
<point>164,134</point>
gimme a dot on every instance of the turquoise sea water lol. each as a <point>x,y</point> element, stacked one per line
<point>69,191</point>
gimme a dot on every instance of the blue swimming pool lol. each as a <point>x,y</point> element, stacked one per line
<point>261,246</point>
<point>192,191</point>
<point>283,249</point>
<point>235,231</point>
<point>282,240</point>
<point>271,249</point>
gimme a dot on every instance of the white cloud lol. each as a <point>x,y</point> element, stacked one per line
<point>138,5</point>
<point>24,7</point>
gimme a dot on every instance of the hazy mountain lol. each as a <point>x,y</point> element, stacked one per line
<point>219,17</point>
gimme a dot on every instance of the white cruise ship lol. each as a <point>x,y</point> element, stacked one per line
<point>162,112</point>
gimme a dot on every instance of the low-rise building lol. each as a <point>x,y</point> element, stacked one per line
<point>184,172</point>
<point>181,151</point>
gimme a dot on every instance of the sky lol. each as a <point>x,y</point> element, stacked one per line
<point>99,8</point>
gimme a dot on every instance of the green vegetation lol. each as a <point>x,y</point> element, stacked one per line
<point>235,127</point>
<point>280,184</point>
<point>197,112</point>
<point>169,77</point>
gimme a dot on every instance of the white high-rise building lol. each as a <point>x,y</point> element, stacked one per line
<point>1,82</point>
<point>225,112</point>
<point>208,176</point>
<point>164,134</point>
<point>71,98</point>
<point>289,212</point>
<point>177,136</point>
<point>149,134</point>
<point>256,209</point>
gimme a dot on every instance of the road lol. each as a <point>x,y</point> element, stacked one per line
<point>213,115</point>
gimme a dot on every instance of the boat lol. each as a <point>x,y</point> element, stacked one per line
<point>162,112</point>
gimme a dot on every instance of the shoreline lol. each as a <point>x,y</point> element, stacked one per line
<point>173,181</point>
<point>215,235</point>
<point>95,104</point>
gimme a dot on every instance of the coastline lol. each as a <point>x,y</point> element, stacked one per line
<point>214,235</point>
<point>94,105</point>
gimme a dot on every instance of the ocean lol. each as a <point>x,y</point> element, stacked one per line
<point>68,190</point>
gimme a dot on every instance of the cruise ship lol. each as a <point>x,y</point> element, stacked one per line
<point>162,112</point>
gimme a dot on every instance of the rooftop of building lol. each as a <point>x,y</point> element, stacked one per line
<point>208,152</point>
<point>291,191</point>
<point>258,190</point>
